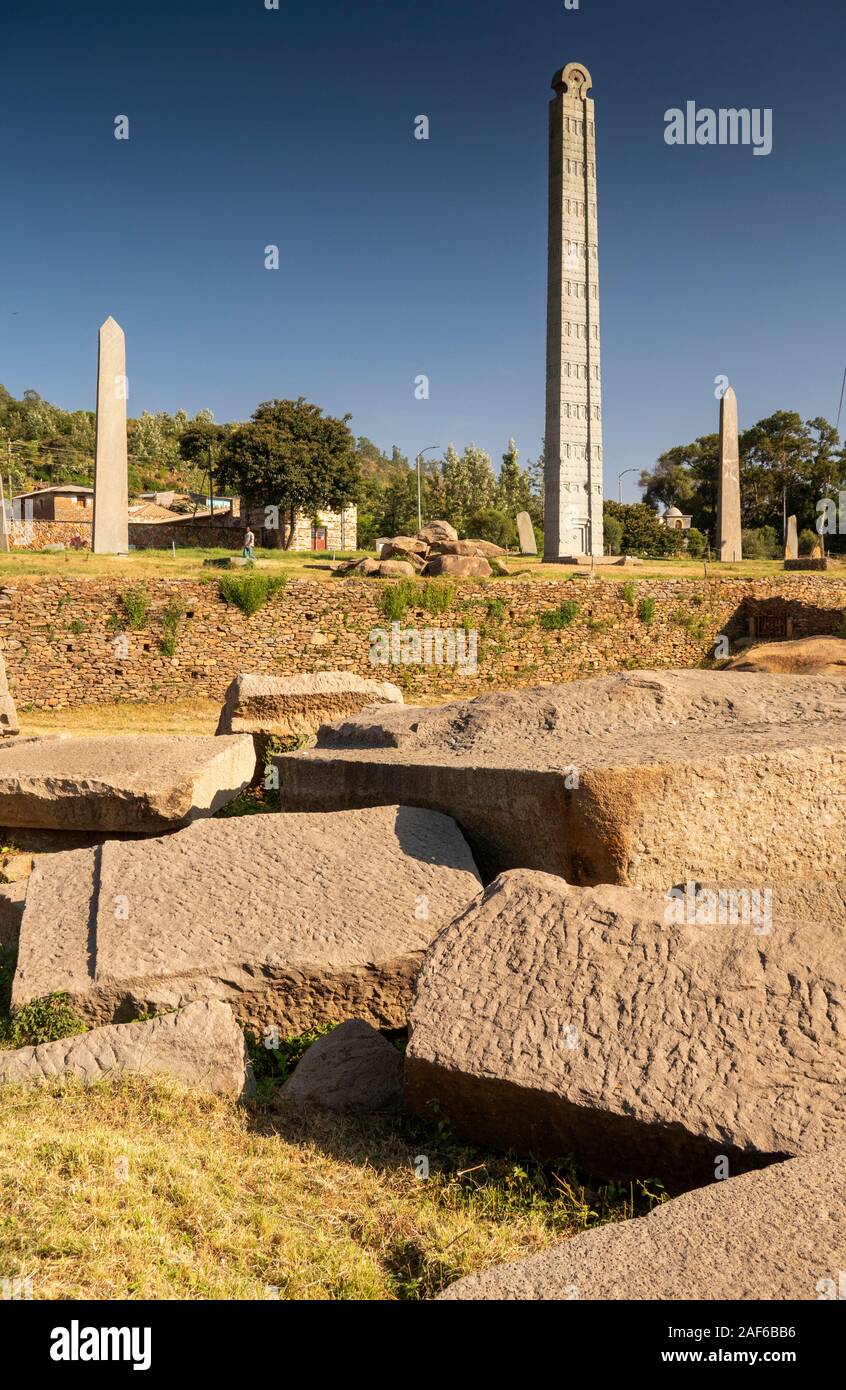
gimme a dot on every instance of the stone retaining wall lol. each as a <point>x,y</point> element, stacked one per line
<point>63,647</point>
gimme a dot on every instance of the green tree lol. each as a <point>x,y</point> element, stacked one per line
<point>513,489</point>
<point>289,454</point>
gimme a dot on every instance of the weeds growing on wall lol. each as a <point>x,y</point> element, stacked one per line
<point>627,593</point>
<point>170,619</point>
<point>394,601</point>
<point>646,610</point>
<point>249,592</point>
<point>136,606</point>
<point>433,596</point>
<point>559,617</point>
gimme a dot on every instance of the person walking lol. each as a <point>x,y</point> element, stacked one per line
<point>249,544</point>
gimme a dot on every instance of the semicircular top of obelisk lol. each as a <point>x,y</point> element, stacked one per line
<point>573,79</point>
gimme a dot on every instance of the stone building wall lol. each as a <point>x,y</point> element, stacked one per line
<point>62,642</point>
<point>74,531</point>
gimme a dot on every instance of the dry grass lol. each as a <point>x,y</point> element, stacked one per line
<point>172,717</point>
<point>187,563</point>
<point>24,566</point>
<point>220,1202</point>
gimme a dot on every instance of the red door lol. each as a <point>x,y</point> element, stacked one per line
<point>318,537</point>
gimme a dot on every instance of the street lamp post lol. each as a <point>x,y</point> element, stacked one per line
<point>620,477</point>
<point>427,450</point>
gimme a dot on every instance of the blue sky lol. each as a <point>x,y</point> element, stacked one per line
<point>251,126</point>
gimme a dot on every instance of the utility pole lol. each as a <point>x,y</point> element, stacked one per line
<point>427,450</point>
<point>620,477</point>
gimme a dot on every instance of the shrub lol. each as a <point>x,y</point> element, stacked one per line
<point>397,598</point>
<point>562,616</point>
<point>170,624</point>
<point>44,1020</point>
<point>807,540</point>
<point>760,543</point>
<point>628,593</point>
<point>437,598</point>
<point>136,606</point>
<point>646,610</point>
<point>488,524</point>
<point>612,529</point>
<point>77,627</point>
<point>697,543</point>
<point>274,1064</point>
<point>249,592</point>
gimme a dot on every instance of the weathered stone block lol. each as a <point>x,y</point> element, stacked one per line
<point>647,778</point>
<point>638,1037</point>
<point>132,782</point>
<point>291,919</point>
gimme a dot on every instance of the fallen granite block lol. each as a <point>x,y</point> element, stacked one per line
<point>133,782</point>
<point>271,707</point>
<point>352,1069</point>
<point>403,546</point>
<point>292,919</point>
<point>458,566</point>
<point>647,778</point>
<point>200,1046</point>
<point>436,532</point>
<point>641,1038</point>
<point>810,656</point>
<point>776,1234</point>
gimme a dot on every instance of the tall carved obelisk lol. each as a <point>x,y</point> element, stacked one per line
<point>728,483</point>
<point>111,485</point>
<point>573,454</point>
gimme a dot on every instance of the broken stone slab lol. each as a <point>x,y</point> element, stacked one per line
<point>269,707</point>
<point>200,1046</point>
<point>365,568</point>
<point>132,782</point>
<point>401,547</point>
<point>811,656</point>
<point>8,714</point>
<point>434,532</point>
<point>639,1038</point>
<point>352,1069</point>
<point>459,566</point>
<point>777,1234</point>
<point>292,919</point>
<point>486,548</point>
<point>647,778</point>
<point>396,569</point>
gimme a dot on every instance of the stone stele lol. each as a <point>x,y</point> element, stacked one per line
<point>111,486</point>
<point>791,544</point>
<point>291,919</point>
<point>526,533</point>
<point>728,489</point>
<point>775,1235</point>
<point>8,713</point>
<point>646,778</point>
<point>137,783</point>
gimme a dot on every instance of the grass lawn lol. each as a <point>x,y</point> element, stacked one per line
<point>140,1189</point>
<point>167,717</point>
<point>188,564</point>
